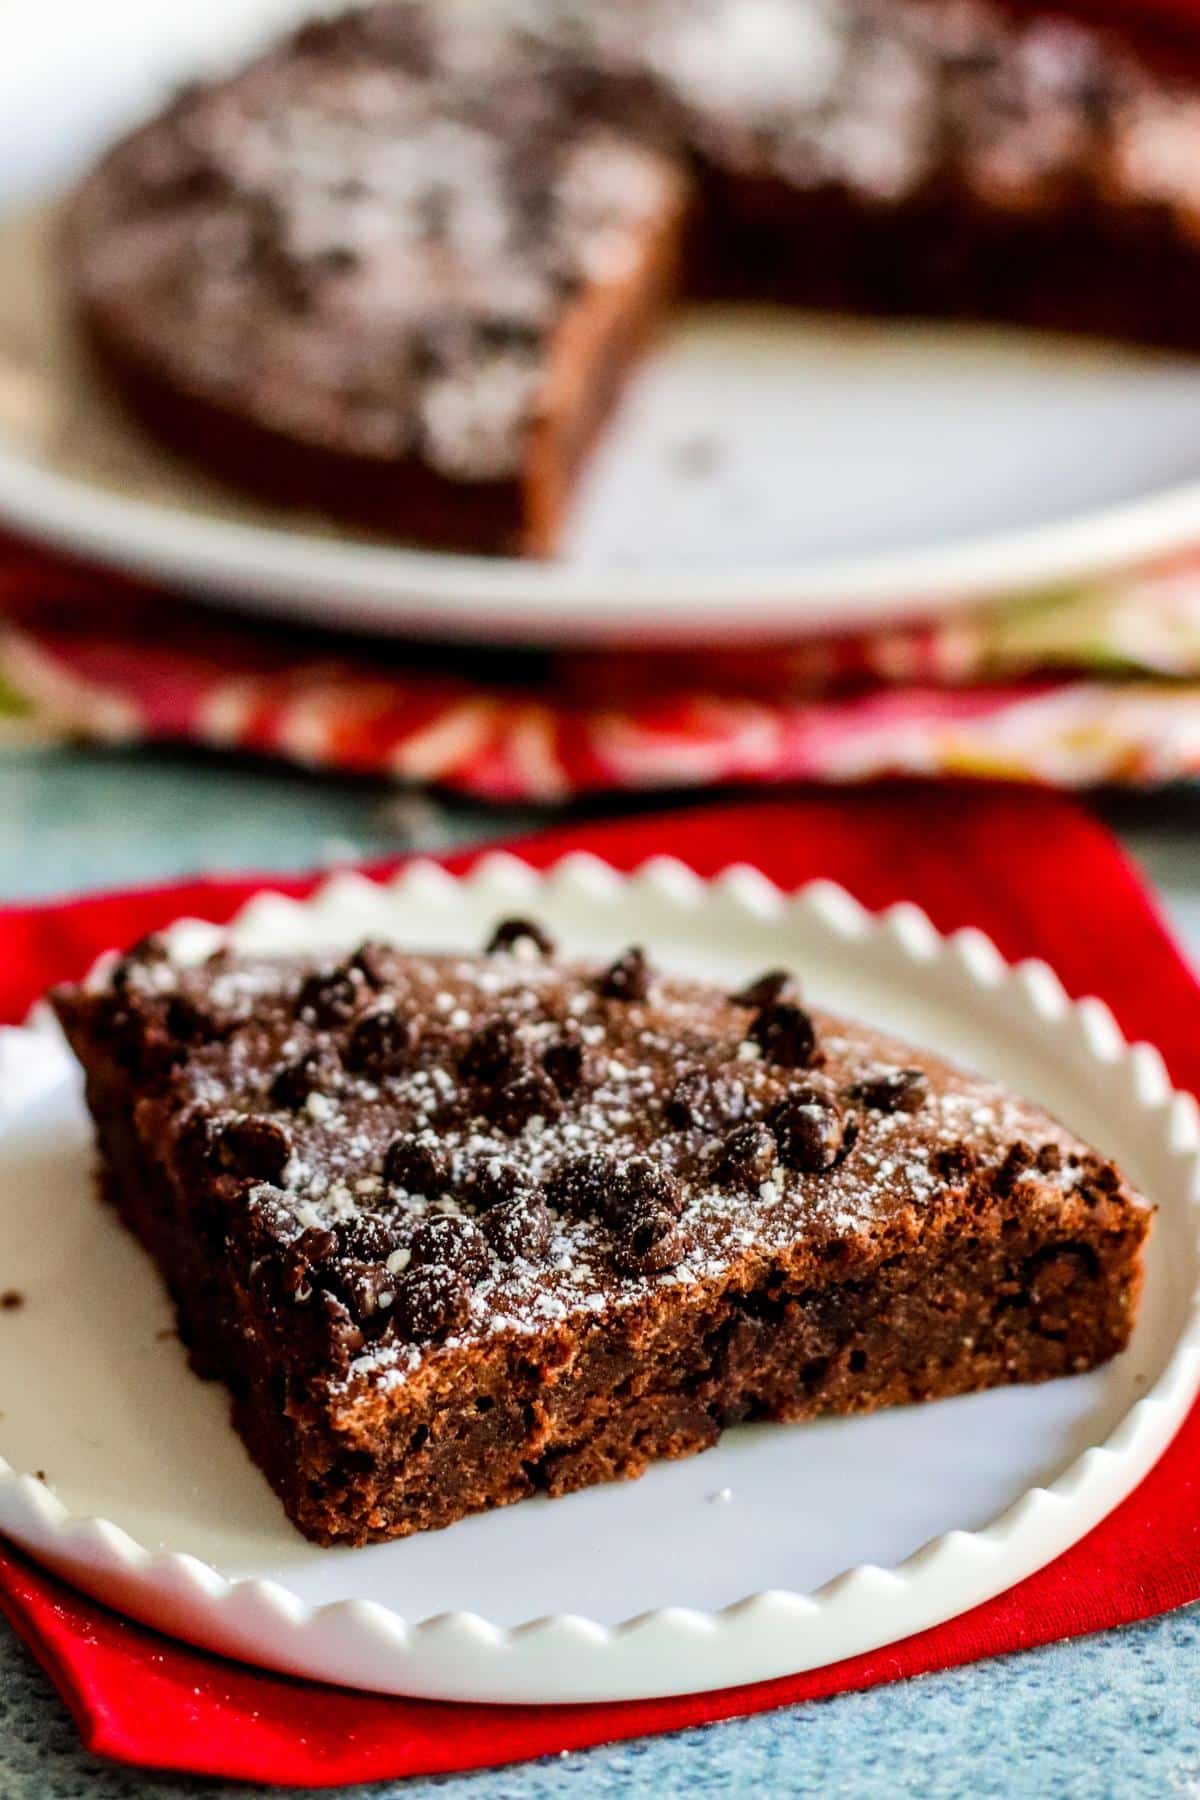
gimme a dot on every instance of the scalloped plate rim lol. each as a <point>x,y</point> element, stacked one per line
<point>1084,1488</point>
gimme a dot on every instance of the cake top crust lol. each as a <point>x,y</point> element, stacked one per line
<point>398,1150</point>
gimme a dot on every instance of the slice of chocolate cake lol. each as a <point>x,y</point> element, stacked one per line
<point>458,1229</point>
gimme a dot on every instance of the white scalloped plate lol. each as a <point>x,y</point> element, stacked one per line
<point>784,1548</point>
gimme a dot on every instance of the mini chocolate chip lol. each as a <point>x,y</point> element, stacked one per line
<point>642,1185</point>
<point>700,1099</point>
<point>430,1301</point>
<point>316,1244</point>
<point>519,1227</point>
<point>582,1186</point>
<point>296,1081</point>
<point>189,1020</point>
<point>1097,1172</point>
<point>647,1242</point>
<point>571,1064</point>
<point>330,997</point>
<point>1049,1159</point>
<point>139,1038</point>
<point>776,984</point>
<point>382,1042</point>
<point>416,1165</point>
<point>509,933</point>
<point>344,1336</point>
<point>269,1223</point>
<point>374,962</point>
<point>362,1286</point>
<point>196,1142</point>
<point>495,1180</point>
<point>784,1033</point>
<point>954,1162</point>
<point>1018,1161</point>
<point>493,1052</point>
<point>809,1130</point>
<point>901,1090</point>
<point>254,1147</point>
<point>530,1095</point>
<point>142,955</point>
<point>366,1236</point>
<point>628,978</point>
<point>1097,1182</point>
<point>746,1157</point>
<point>311,1249</point>
<point>456,1242</point>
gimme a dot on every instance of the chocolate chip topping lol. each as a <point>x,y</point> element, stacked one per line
<point>514,934</point>
<point>366,1236</point>
<point>303,1260</point>
<point>519,1227</point>
<point>330,997</point>
<point>145,954</point>
<point>256,1148</point>
<point>374,961</point>
<point>494,1052</point>
<point>296,1080</point>
<point>746,1157</point>
<point>900,1090</point>
<point>571,1064</point>
<point>647,1242</point>
<point>416,1164</point>
<point>703,1100</point>
<point>776,984</point>
<point>188,1020</point>
<point>954,1163</point>
<point>1018,1161</point>
<point>430,1301</point>
<point>345,1338</point>
<point>523,1098</point>
<point>628,978</point>
<point>810,1131</point>
<point>784,1033</point>
<point>642,1185</point>
<point>582,1185</point>
<point>455,1242</point>
<point>494,1181</point>
<point>382,1042</point>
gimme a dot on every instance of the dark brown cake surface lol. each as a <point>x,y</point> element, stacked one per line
<point>350,274</point>
<point>455,1228</point>
<point>368,241</point>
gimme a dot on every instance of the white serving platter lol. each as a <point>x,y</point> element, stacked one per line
<point>784,1548</point>
<point>768,476</point>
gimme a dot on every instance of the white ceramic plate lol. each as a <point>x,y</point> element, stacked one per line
<point>784,1548</point>
<point>768,475</point>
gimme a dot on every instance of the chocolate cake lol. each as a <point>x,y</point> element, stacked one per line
<point>459,1229</point>
<point>398,269</point>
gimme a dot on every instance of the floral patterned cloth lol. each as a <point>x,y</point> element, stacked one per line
<point>1087,684</point>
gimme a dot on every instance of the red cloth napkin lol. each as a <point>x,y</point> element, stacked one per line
<point>1041,878</point>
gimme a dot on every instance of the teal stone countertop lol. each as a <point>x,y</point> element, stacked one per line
<point>1112,1717</point>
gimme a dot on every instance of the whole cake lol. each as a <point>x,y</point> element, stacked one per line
<point>458,1229</point>
<point>398,268</point>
